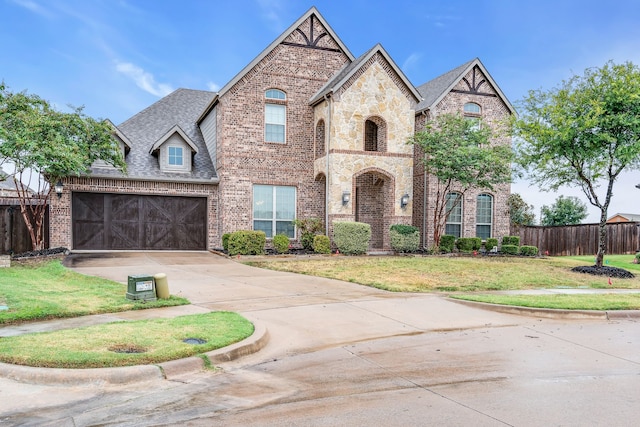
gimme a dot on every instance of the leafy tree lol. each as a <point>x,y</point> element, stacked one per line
<point>460,156</point>
<point>583,133</point>
<point>520,212</point>
<point>564,211</point>
<point>39,146</point>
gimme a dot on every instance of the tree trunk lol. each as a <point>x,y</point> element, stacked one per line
<point>602,238</point>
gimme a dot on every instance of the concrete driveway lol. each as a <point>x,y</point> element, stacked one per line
<point>344,354</point>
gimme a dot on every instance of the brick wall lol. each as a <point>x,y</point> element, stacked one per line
<point>244,158</point>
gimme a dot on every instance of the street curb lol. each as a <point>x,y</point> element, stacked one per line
<point>132,374</point>
<point>550,313</point>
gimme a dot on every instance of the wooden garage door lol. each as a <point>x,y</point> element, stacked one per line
<point>124,221</point>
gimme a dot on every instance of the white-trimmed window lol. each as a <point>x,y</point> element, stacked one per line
<point>275,116</point>
<point>453,225</point>
<point>484,216</point>
<point>472,112</point>
<point>175,156</point>
<point>274,209</point>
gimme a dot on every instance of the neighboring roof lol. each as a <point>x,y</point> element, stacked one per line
<point>629,217</point>
<point>349,70</point>
<point>280,39</point>
<point>171,132</point>
<point>179,109</point>
<point>435,90</point>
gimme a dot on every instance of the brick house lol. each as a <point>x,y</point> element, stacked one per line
<point>304,130</point>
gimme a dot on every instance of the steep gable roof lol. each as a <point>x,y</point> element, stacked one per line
<point>435,90</point>
<point>350,69</point>
<point>311,12</point>
<point>121,136</point>
<point>178,110</point>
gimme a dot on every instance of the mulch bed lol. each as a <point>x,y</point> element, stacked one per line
<point>616,272</point>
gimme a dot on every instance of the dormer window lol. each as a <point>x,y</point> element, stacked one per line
<point>275,116</point>
<point>175,151</point>
<point>176,157</point>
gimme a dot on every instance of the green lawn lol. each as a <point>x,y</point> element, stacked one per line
<point>49,290</point>
<point>157,341</point>
<point>448,274</point>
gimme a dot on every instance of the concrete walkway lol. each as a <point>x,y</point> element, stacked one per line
<point>292,313</point>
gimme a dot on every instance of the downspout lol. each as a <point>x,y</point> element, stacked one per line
<point>327,98</point>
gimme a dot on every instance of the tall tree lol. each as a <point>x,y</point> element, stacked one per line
<point>460,156</point>
<point>583,133</point>
<point>40,145</point>
<point>520,212</point>
<point>564,211</point>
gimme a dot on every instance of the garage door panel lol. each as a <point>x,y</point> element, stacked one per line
<point>118,221</point>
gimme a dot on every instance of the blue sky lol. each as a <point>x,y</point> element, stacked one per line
<point>116,57</point>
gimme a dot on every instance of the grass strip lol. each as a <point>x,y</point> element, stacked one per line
<point>49,290</point>
<point>603,302</point>
<point>158,340</point>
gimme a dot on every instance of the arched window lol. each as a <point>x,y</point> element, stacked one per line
<point>472,108</point>
<point>275,116</point>
<point>453,225</point>
<point>472,112</point>
<point>484,216</point>
<point>375,134</point>
<point>320,139</point>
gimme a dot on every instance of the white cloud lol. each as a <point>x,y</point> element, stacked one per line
<point>33,7</point>
<point>213,87</point>
<point>143,79</point>
<point>412,60</point>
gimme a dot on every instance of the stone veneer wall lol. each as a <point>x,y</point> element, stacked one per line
<point>60,228</point>
<point>494,111</point>
<point>244,159</point>
<point>374,91</point>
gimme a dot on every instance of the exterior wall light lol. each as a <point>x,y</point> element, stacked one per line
<point>58,188</point>
<point>346,197</point>
<point>404,200</point>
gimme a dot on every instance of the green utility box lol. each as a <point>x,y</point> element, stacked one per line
<point>141,287</point>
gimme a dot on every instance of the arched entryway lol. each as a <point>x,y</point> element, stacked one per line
<point>374,205</point>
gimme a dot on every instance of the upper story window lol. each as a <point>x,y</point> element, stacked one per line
<point>375,134</point>
<point>175,156</point>
<point>472,108</point>
<point>453,225</point>
<point>320,139</point>
<point>275,116</point>
<point>472,112</point>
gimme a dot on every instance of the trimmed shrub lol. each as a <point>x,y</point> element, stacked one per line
<point>225,241</point>
<point>491,243</point>
<point>247,242</point>
<point>404,238</point>
<point>446,243</point>
<point>476,243</point>
<point>281,243</point>
<point>351,238</point>
<point>509,249</point>
<point>511,240</point>
<point>321,244</point>
<point>308,227</point>
<point>636,260</point>
<point>528,250</point>
<point>464,244</point>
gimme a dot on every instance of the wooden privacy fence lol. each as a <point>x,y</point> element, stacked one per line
<point>582,239</point>
<point>14,236</point>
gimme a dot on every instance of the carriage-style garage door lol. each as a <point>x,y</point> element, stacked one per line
<point>125,221</point>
